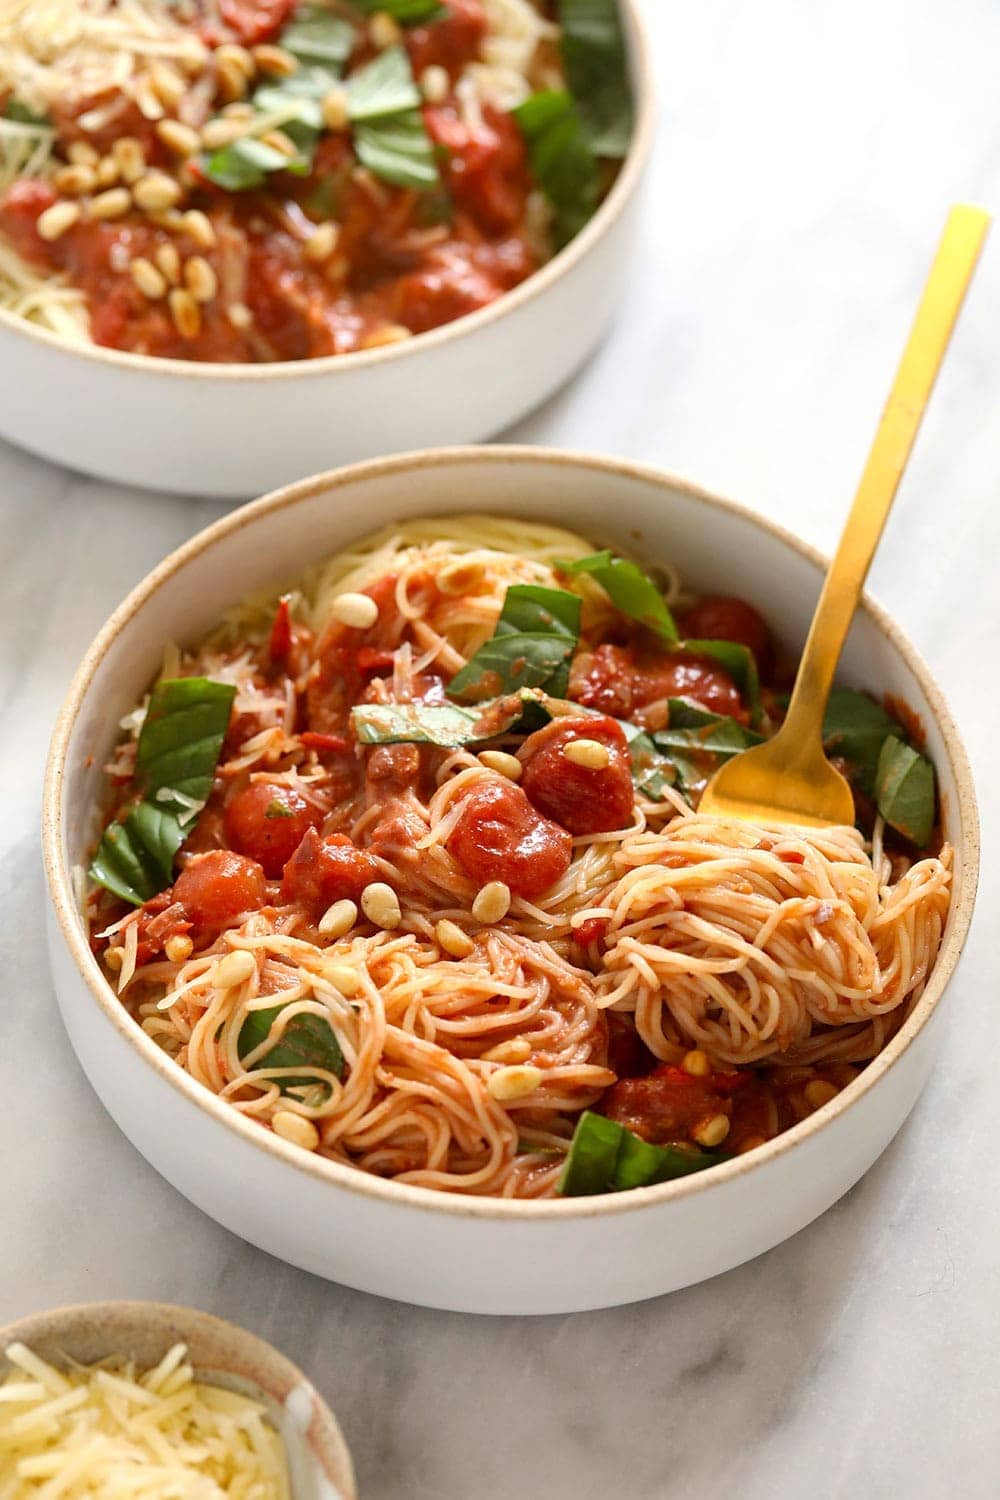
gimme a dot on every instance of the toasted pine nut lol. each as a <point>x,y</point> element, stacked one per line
<point>322,242</point>
<point>179,138</point>
<point>235,968</point>
<point>75,179</point>
<point>359,611</point>
<point>110,205</point>
<point>590,754</point>
<point>200,279</point>
<point>148,100</point>
<point>240,315</point>
<point>276,60</point>
<point>56,220</point>
<point>295,1128</point>
<point>114,958</point>
<point>131,158</point>
<point>157,191</point>
<point>380,905</point>
<point>178,948</point>
<point>151,282</point>
<point>279,141</point>
<point>492,903</point>
<point>711,1132</point>
<point>167,84</point>
<point>240,109</point>
<point>169,262</point>
<point>230,52</point>
<point>391,333</point>
<point>193,55</point>
<point>219,133</point>
<point>384,31</point>
<point>516,1082</point>
<point>696,1063</point>
<point>338,919</point>
<point>82,154</point>
<point>452,939</point>
<point>435,83</point>
<point>198,227</point>
<point>230,80</point>
<point>517,1050</point>
<point>343,978</point>
<point>335,115</point>
<point>107,172</point>
<point>185,312</point>
<point>502,763</point>
<point>819,1092</point>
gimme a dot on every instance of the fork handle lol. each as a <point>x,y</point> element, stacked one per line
<point>944,293</point>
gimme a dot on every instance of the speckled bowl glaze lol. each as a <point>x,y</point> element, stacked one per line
<point>237,430</point>
<point>222,1354</point>
<point>479,1254</point>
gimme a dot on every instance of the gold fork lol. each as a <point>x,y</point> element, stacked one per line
<point>789,779</point>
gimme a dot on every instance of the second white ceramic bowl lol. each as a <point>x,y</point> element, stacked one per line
<point>475,1254</point>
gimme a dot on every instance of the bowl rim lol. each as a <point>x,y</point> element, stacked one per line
<point>327,1444</point>
<point>608,212</point>
<point>335,1174</point>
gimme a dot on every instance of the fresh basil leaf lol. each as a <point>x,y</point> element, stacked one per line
<point>530,608</point>
<point>652,771</point>
<point>385,86</point>
<point>739,661</point>
<point>855,728</point>
<point>714,736</point>
<point>904,790</point>
<point>129,866</point>
<point>443,724</point>
<point>243,165</point>
<point>21,114</point>
<point>305,106</point>
<point>307,1041</point>
<point>398,149</point>
<point>604,1157</point>
<point>535,637</point>
<point>630,590</point>
<point>561,161</point>
<point>593,52</point>
<point>276,809</point>
<point>317,36</point>
<point>406,12</point>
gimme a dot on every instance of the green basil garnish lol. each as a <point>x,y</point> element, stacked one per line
<point>385,86</point>
<point>176,756</point>
<point>855,728</point>
<point>604,1157</point>
<point>243,165</point>
<point>741,665</point>
<point>535,637</point>
<point>383,103</point>
<point>21,114</point>
<point>881,762</point>
<point>630,590</point>
<point>406,12</point>
<point>317,36</point>
<point>442,724</point>
<point>562,163</point>
<point>593,52</point>
<point>904,790</point>
<point>307,1041</point>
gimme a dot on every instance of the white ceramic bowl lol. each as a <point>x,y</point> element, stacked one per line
<point>237,430</point>
<point>222,1354</point>
<point>473,1254</point>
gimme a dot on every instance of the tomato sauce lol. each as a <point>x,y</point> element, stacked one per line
<point>634,682</point>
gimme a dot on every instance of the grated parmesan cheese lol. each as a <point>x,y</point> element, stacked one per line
<point>114,1433</point>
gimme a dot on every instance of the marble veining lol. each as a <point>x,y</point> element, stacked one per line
<point>806,158</point>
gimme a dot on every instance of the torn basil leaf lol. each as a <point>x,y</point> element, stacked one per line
<point>307,1041</point>
<point>593,52</point>
<point>21,114</point>
<point>317,36</point>
<point>535,637</point>
<point>406,12</point>
<point>243,165</point>
<point>904,790</point>
<point>385,86</point>
<point>604,1157</point>
<point>397,149</point>
<point>134,859</point>
<point>562,163</point>
<point>652,771</point>
<point>443,724</point>
<point>630,590</point>
<point>855,728</point>
<point>740,663</point>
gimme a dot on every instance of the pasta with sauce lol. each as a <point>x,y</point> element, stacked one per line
<point>442,898</point>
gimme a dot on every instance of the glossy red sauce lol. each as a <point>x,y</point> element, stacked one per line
<point>268,822</point>
<point>634,682</point>
<point>500,836</point>
<point>582,799</point>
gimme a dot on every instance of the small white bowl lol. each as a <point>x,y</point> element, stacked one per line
<point>443,1250</point>
<point>237,430</point>
<point>222,1354</point>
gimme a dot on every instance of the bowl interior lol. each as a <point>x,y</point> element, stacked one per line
<point>222,1354</point>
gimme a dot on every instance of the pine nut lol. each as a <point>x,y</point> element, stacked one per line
<point>502,763</point>
<point>590,754</point>
<point>193,55</point>
<point>517,1050</point>
<point>151,282</point>
<point>219,133</point>
<point>167,84</point>
<point>452,939</point>
<point>107,172</point>
<point>819,1092</point>
<point>392,333</point>
<point>380,905</point>
<point>335,115</point>
<point>157,191</point>
<point>114,958</point>
<point>75,180</point>
<point>338,919</point>
<point>56,220</point>
<point>295,1128</point>
<point>240,110</point>
<point>240,315</point>
<point>149,104</point>
<point>492,903</point>
<point>321,243</point>
<point>178,948</point>
<point>343,978</point>
<point>131,158</point>
<point>711,1132</point>
<point>516,1082</point>
<point>696,1063</point>
<point>235,968</point>
<point>280,142</point>
<point>178,137</point>
<point>230,80</point>
<point>82,154</point>
<point>435,83</point>
<point>169,262</point>
<point>198,227</point>
<point>200,280</point>
<point>110,205</point>
<point>276,60</point>
<point>359,611</point>
<point>185,312</point>
<point>384,31</point>
<point>240,58</point>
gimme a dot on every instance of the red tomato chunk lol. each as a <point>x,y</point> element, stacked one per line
<point>322,871</point>
<point>253,21</point>
<point>669,1103</point>
<point>218,887</point>
<point>452,40</point>
<point>500,836</point>
<point>631,684</point>
<point>731,620</point>
<point>581,798</point>
<point>268,822</point>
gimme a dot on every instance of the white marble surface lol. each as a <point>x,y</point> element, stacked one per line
<point>807,155</point>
